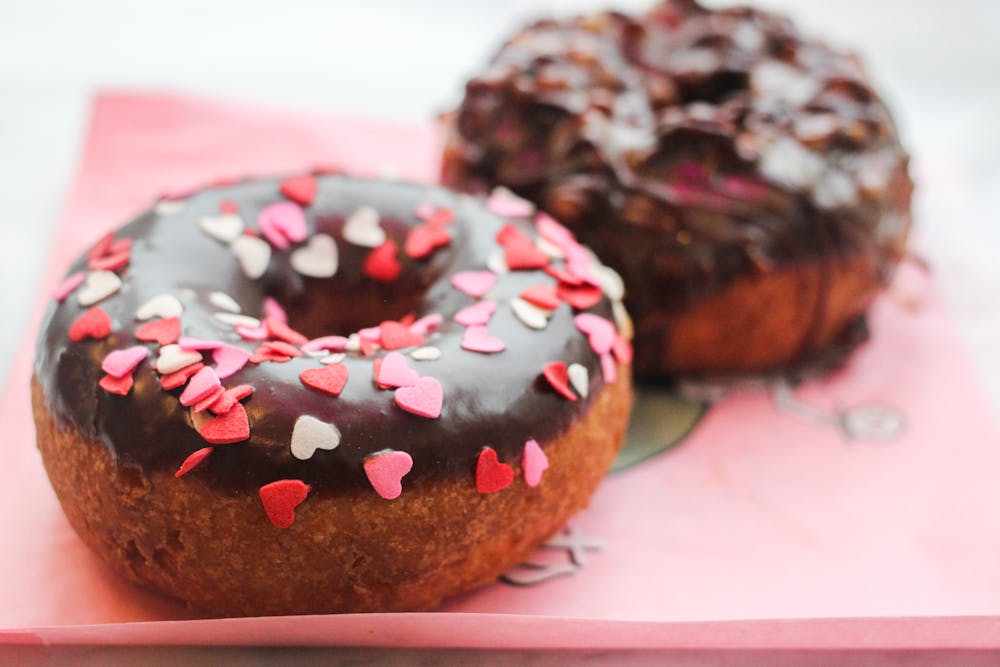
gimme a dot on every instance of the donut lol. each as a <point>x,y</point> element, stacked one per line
<point>746,182</point>
<point>326,394</point>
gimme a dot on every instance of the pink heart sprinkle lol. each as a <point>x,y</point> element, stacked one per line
<point>478,339</point>
<point>189,343</point>
<point>553,231</point>
<point>120,363</point>
<point>424,398</point>
<point>331,343</point>
<point>478,313</point>
<point>426,324</point>
<point>534,463</point>
<point>396,372</point>
<point>508,205</point>
<point>255,334</point>
<point>474,283</point>
<point>229,359</point>
<point>273,309</point>
<point>204,383</point>
<point>608,368</point>
<point>600,331</point>
<point>371,334</point>
<point>282,223</point>
<point>580,264</point>
<point>67,286</point>
<point>386,470</point>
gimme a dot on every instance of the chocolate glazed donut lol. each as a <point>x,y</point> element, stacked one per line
<point>327,394</point>
<point>747,183</point>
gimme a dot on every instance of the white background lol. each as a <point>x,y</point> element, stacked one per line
<point>938,64</point>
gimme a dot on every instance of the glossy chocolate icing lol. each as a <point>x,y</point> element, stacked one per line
<point>496,400</point>
<point>688,147</point>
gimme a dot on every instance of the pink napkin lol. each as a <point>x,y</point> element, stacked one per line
<point>857,511</point>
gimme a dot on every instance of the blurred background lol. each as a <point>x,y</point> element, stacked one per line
<point>935,62</point>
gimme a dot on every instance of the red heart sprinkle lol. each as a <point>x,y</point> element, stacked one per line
<point>225,429</point>
<point>93,323</point>
<point>509,233</point>
<point>101,248</point>
<point>114,262</point>
<point>440,217</point>
<point>557,375</point>
<point>543,296</point>
<point>396,336</point>
<point>229,206</point>
<point>382,264</point>
<point>564,276</point>
<point>580,297</point>
<point>622,349</point>
<point>192,461</point>
<point>523,255</point>
<point>163,332</point>
<point>177,378</point>
<point>300,189</point>
<point>278,329</point>
<point>329,379</point>
<point>229,398</point>
<point>209,401</point>
<point>119,246</point>
<point>421,241</point>
<point>113,385</point>
<point>491,475</point>
<point>281,498</point>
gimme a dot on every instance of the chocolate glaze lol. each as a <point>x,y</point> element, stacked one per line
<point>495,400</point>
<point>688,147</point>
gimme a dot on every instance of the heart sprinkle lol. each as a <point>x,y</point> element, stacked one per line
<point>253,254</point>
<point>173,358</point>
<point>429,353</point>
<point>225,228</point>
<point>478,313</point>
<point>192,461</point>
<point>113,385</point>
<point>542,296</point>
<point>318,259</point>
<point>579,377</point>
<point>385,471</point>
<point>99,285</point>
<point>491,475</point>
<point>382,264</point>
<point>362,228</point>
<point>67,286</point>
<point>395,372</point>
<point>424,398</point>
<point>530,315</point>
<point>223,301</point>
<point>331,343</point>
<point>505,203</point>
<point>600,332</point>
<point>283,223</point>
<point>281,498</point>
<point>310,434</point>
<point>557,375</point>
<point>579,296</point>
<point>534,463</point>
<point>422,241</point>
<point>300,189</point>
<point>608,368</point>
<point>204,383</point>
<point>93,323</point>
<point>163,332</point>
<point>329,379</point>
<point>474,283</point>
<point>120,363</point>
<point>162,306</point>
<point>478,339</point>
<point>397,336</point>
<point>225,429</point>
<point>178,378</point>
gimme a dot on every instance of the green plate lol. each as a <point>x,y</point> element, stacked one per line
<point>661,418</point>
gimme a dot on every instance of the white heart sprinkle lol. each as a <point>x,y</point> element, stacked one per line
<point>254,255</point>
<point>549,248</point>
<point>622,319</point>
<point>173,358</point>
<point>234,320</point>
<point>334,358</point>
<point>99,286</point>
<point>497,263</point>
<point>353,343</point>
<point>530,315</point>
<point>310,434</point>
<point>318,259</point>
<point>579,377</point>
<point>427,353</point>
<point>362,228</point>
<point>611,283</point>
<point>168,207</point>
<point>163,306</point>
<point>316,354</point>
<point>224,301</point>
<point>225,227</point>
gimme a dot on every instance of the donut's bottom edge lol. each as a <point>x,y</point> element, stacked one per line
<point>216,552</point>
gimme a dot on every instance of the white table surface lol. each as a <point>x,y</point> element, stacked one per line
<point>937,63</point>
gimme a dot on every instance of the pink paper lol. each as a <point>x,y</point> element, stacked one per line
<point>767,528</point>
